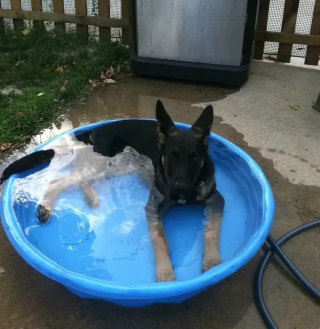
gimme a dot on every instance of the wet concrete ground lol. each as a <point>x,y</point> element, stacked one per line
<point>285,144</point>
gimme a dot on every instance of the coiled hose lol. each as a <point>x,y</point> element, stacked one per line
<point>275,248</point>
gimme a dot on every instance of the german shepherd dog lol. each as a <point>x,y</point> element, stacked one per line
<point>183,173</point>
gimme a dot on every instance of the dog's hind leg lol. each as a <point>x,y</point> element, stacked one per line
<point>90,195</point>
<point>81,177</point>
<point>154,209</point>
<point>214,213</point>
<point>45,208</point>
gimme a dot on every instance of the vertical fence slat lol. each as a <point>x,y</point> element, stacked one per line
<point>36,5</point>
<point>313,52</point>
<point>290,14</point>
<point>261,26</point>
<point>17,22</point>
<point>81,10</point>
<point>104,11</point>
<point>58,7</point>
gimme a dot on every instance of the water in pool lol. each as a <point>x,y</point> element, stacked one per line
<point>111,242</point>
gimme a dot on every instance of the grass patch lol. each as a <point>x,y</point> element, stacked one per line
<point>28,63</point>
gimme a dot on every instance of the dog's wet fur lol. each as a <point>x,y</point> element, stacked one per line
<point>183,173</point>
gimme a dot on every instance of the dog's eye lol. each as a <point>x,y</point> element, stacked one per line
<point>174,154</point>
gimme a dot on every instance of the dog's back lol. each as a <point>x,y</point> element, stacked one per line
<point>111,139</point>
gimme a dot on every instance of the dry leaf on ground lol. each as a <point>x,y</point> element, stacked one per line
<point>5,146</point>
<point>109,81</point>
<point>60,69</point>
<point>295,107</point>
<point>92,83</point>
<point>63,87</point>
<point>26,32</point>
<point>109,72</point>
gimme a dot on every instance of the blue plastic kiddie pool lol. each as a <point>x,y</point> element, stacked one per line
<point>106,253</point>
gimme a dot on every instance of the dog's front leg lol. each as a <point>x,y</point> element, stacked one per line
<point>155,207</point>
<point>214,213</point>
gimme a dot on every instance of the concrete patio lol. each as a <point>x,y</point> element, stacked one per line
<point>284,142</point>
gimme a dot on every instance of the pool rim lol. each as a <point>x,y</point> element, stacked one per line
<point>105,289</point>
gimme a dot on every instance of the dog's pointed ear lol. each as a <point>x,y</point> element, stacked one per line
<point>165,124</point>
<point>204,123</point>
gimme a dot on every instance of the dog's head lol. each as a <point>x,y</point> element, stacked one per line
<point>184,153</point>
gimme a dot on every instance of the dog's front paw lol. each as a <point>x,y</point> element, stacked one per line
<point>44,213</point>
<point>210,260</point>
<point>165,273</point>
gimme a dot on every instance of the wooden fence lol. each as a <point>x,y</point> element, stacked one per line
<point>80,18</point>
<point>287,37</point>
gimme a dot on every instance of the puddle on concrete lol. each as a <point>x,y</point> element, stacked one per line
<point>27,295</point>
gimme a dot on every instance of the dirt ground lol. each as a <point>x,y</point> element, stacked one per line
<point>28,300</point>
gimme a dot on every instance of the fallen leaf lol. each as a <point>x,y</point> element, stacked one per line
<point>5,146</point>
<point>60,69</point>
<point>26,138</point>
<point>26,32</point>
<point>92,83</point>
<point>63,88</point>
<point>40,94</point>
<point>10,90</point>
<point>56,101</point>
<point>295,107</point>
<point>109,72</point>
<point>102,76</point>
<point>270,58</point>
<point>109,81</point>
